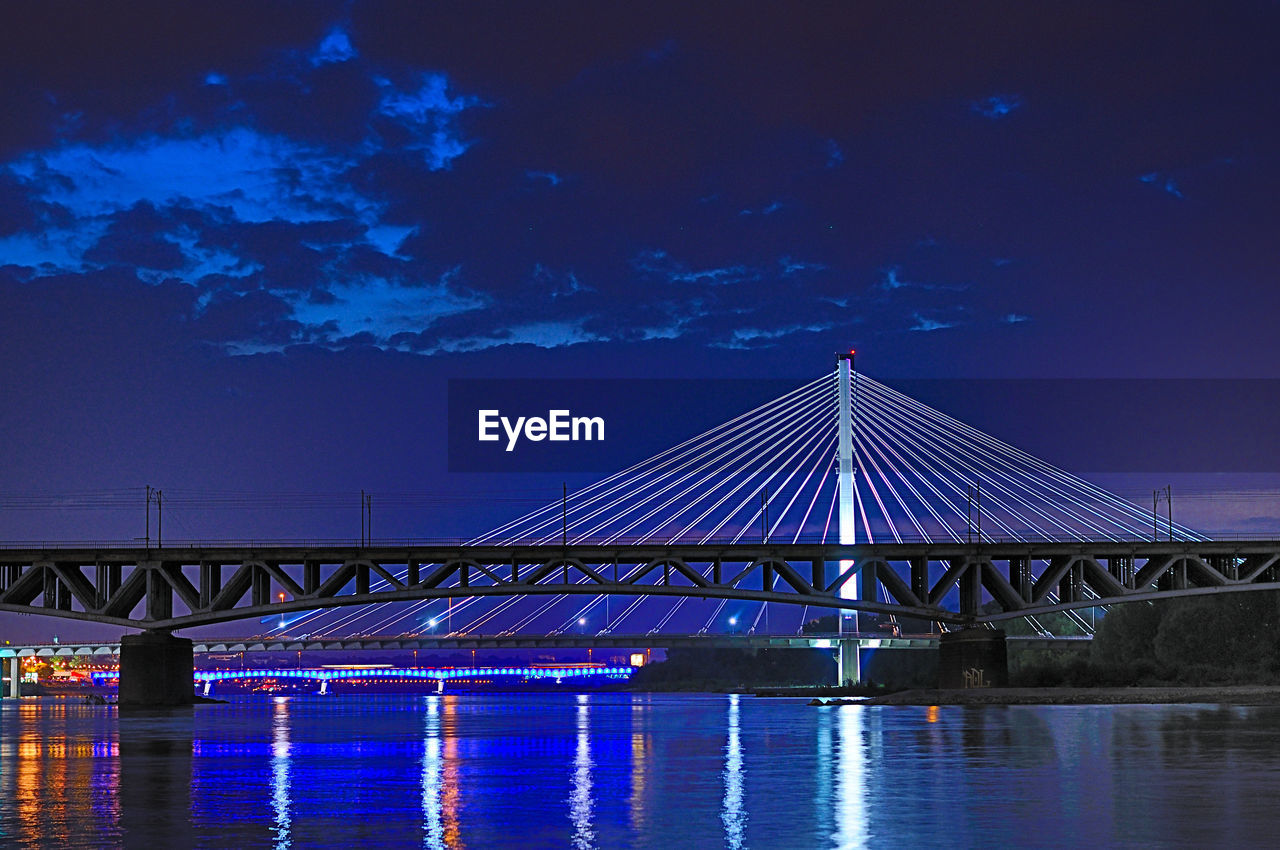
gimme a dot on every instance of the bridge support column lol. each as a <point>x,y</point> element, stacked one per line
<point>848,669</point>
<point>15,679</point>
<point>973,658</point>
<point>156,669</point>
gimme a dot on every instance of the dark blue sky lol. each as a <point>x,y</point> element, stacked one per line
<point>243,246</point>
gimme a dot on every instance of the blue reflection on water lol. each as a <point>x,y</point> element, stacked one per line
<point>580,802</point>
<point>432,769</point>
<point>645,771</point>
<point>280,772</point>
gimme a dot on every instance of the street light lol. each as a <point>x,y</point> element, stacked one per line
<point>733,621</point>
<point>582,622</point>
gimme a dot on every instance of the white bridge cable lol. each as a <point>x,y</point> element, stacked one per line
<point>697,487</point>
<point>1072,615</point>
<point>754,427</point>
<point>816,424</point>
<point>710,485</point>
<point>724,459</point>
<point>554,508</point>
<point>1136,518</point>
<point>827,475</point>
<point>764,438</point>
<point>956,450</point>
<point>909,444</point>
<point>620,479</point>
<point>719,440</point>
<point>811,432</point>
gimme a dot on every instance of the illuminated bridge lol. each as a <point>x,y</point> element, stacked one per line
<point>322,676</point>
<point>839,496</point>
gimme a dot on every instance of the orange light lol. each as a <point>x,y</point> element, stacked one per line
<point>282,596</point>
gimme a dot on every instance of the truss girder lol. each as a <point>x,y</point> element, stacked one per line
<point>952,582</point>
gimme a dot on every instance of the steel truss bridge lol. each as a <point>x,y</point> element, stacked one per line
<point>956,583</point>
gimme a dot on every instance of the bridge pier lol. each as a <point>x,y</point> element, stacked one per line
<point>848,668</point>
<point>973,658</point>
<point>15,679</point>
<point>156,669</point>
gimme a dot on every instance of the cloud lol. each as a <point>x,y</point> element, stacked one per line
<point>334,47</point>
<point>892,280</point>
<point>1014,318</point>
<point>555,285</point>
<point>257,177</point>
<point>835,156</point>
<point>1162,181</point>
<point>925,325</point>
<point>549,334</point>
<point>996,106</point>
<point>663,266</point>
<point>550,176</point>
<point>380,307</point>
<point>388,238</point>
<point>750,338</point>
<point>792,266</point>
<point>213,78</point>
<point>769,209</point>
<point>429,113</point>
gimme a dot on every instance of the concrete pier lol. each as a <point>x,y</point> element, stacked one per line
<point>12,687</point>
<point>848,667</point>
<point>973,658</point>
<point>156,669</point>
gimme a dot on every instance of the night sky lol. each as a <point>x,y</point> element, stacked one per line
<point>244,246</point>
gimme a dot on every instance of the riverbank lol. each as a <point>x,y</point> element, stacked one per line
<point>1228,694</point>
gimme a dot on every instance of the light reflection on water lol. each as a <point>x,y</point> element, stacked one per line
<point>733,816</point>
<point>280,772</point>
<point>580,802</point>
<point>649,771</point>
<point>432,769</point>
<point>851,781</point>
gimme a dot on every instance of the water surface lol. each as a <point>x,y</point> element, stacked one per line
<point>646,771</point>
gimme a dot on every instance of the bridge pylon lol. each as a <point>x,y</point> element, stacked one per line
<point>849,667</point>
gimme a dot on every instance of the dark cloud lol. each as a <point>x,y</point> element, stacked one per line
<point>137,238</point>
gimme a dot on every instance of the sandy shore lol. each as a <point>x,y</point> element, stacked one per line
<point>1233,694</point>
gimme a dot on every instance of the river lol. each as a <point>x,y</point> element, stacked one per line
<point>635,770</point>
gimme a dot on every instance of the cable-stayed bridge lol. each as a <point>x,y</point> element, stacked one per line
<point>841,495</point>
